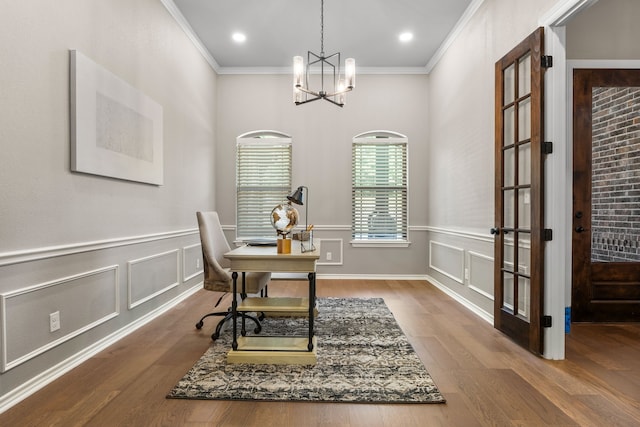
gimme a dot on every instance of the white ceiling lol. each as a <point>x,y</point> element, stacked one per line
<point>366,30</point>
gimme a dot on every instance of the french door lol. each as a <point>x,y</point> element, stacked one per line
<point>519,187</point>
<point>606,196</point>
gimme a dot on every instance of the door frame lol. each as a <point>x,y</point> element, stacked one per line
<point>558,169</point>
<point>571,66</point>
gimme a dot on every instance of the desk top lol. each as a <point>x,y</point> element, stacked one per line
<point>247,251</point>
<point>267,258</point>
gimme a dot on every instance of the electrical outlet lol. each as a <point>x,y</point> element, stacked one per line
<point>54,321</point>
<point>198,263</point>
<point>329,256</point>
<point>466,274</point>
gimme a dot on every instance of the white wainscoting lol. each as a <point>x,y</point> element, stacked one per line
<point>447,260</point>
<point>333,247</point>
<point>480,267</point>
<point>87,283</point>
<point>28,309</point>
<point>461,264</point>
<point>192,263</point>
<point>152,276</point>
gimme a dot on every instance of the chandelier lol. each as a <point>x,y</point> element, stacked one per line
<point>302,93</point>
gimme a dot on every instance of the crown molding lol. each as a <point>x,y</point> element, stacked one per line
<point>288,70</point>
<point>191,34</point>
<point>453,34</point>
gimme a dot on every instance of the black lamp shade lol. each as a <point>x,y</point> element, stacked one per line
<point>296,197</point>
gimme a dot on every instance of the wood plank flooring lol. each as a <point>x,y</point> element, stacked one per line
<point>487,380</point>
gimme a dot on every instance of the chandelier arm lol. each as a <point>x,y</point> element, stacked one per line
<point>305,90</point>
<point>345,90</point>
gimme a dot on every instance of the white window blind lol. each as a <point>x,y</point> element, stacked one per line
<point>263,180</point>
<point>379,187</point>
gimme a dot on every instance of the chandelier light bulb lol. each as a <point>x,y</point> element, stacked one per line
<point>298,71</point>
<point>350,72</point>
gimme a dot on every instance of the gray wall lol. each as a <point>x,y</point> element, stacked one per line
<point>461,149</point>
<point>322,135</point>
<point>105,253</point>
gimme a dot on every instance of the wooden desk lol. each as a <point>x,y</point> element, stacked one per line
<point>274,349</point>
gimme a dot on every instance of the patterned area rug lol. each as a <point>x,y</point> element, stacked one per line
<point>363,356</point>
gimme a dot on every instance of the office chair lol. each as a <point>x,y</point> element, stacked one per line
<point>217,276</point>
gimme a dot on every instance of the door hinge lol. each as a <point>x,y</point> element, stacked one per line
<point>546,321</point>
<point>547,234</point>
<point>547,147</point>
<point>546,61</point>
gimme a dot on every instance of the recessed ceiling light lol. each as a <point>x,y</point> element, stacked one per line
<point>405,37</point>
<point>239,37</point>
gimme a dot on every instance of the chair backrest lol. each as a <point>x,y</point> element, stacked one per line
<point>214,246</point>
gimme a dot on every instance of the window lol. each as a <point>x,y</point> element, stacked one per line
<point>263,180</point>
<point>379,187</point>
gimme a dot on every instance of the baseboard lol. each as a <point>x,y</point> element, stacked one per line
<point>487,317</point>
<point>370,277</point>
<point>45,378</point>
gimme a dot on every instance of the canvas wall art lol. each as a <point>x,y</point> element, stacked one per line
<point>116,130</point>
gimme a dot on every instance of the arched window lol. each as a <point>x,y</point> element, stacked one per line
<point>263,180</point>
<point>379,187</point>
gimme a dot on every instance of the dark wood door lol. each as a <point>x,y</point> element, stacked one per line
<point>606,196</point>
<point>519,194</point>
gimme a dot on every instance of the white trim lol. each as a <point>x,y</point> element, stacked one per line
<point>336,262</point>
<point>459,233</point>
<point>558,169</point>
<point>453,34</point>
<point>563,11</point>
<point>487,317</point>
<point>40,381</point>
<point>133,304</point>
<point>191,34</point>
<point>184,263</point>
<point>370,277</point>
<point>445,273</point>
<point>288,70</point>
<point>36,254</point>
<point>380,243</point>
<point>274,135</point>
<point>9,364</point>
<point>473,254</point>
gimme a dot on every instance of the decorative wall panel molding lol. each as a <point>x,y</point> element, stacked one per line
<point>82,301</point>
<point>151,276</point>
<point>36,254</point>
<point>459,233</point>
<point>330,251</point>
<point>447,260</point>
<point>481,274</point>
<point>192,261</point>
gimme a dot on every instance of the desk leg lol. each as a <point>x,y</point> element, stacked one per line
<point>243,295</point>
<point>234,309</point>
<point>312,306</point>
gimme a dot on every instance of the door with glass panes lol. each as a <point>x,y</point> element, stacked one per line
<point>519,226</point>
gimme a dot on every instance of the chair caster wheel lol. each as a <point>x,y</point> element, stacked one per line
<point>199,324</point>
<point>257,330</point>
<point>215,336</point>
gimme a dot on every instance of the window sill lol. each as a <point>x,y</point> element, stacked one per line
<point>380,243</point>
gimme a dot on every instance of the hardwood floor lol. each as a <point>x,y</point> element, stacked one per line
<point>486,379</point>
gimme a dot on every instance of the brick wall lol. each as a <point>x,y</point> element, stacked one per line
<point>615,220</point>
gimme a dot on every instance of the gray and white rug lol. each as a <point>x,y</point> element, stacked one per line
<point>363,356</point>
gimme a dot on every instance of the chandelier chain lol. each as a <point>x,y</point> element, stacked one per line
<point>321,27</point>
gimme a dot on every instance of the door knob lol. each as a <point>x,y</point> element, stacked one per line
<point>495,231</point>
<point>579,229</point>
